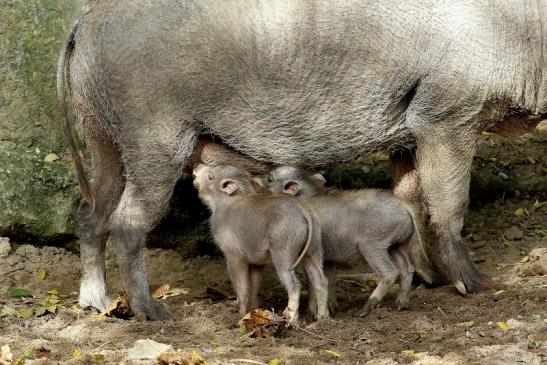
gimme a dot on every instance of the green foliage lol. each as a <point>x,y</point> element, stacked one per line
<point>31,33</point>
<point>35,197</point>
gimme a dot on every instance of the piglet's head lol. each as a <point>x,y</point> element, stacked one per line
<point>292,180</point>
<point>223,183</point>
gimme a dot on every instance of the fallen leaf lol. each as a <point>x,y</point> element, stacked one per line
<point>504,326</point>
<point>98,357</point>
<point>334,353</point>
<point>117,309</point>
<point>42,274</point>
<point>51,157</point>
<point>181,358</point>
<point>77,352</point>
<point>499,292</point>
<point>6,356</point>
<point>19,293</point>
<point>263,323</point>
<point>165,291</point>
<point>162,289</point>
<point>53,292</point>
<point>24,313</point>
<point>27,354</point>
<point>408,352</point>
<point>8,311</point>
<point>276,361</point>
<point>42,353</point>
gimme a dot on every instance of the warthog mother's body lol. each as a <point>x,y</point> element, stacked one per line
<point>308,83</point>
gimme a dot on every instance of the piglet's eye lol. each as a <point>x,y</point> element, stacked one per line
<point>210,176</point>
<point>270,178</point>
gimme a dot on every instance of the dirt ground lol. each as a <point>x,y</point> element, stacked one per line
<point>503,325</point>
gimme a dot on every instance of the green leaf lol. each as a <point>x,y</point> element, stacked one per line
<point>24,313</point>
<point>42,274</point>
<point>8,311</point>
<point>333,353</point>
<point>19,293</point>
<point>28,353</point>
<point>40,311</point>
<point>50,157</point>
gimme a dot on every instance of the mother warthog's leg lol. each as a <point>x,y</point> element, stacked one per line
<point>107,186</point>
<point>444,157</point>
<point>153,164</point>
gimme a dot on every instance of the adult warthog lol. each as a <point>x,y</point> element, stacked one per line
<point>307,83</point>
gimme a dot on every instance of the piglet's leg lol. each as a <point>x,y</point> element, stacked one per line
<point>255,273</point>
<point>379,259</point>
<point>330,273</point>
<point>239,274</point>
<point>406,272</point>
<point>318,284</point>
<point>291,284</point>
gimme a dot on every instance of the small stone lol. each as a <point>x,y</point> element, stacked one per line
<point>503,176</point>
<point>147,350</point>
<point>5,247</point>
<point>513,233</point>
<point>513,323</point>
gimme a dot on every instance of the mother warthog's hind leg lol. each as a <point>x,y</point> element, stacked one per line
<point>107,185</point>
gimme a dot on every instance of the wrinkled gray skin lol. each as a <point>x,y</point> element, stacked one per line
<point>309,83</point>
<point>255,229</point>
<point>370,223</point>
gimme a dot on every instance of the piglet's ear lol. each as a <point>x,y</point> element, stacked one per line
<point>319,178</point>
<point>292,187</point>
<point>257,183</point>
<point>229,186</point>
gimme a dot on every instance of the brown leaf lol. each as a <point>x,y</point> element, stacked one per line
<point>118,309</point>
<point>42,353</point>
<point>160,291</point>
<point>263,323</point>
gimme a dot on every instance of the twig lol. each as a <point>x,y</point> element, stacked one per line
<point>10,272</point>
<point>315,334</point>
<point>440,310</point>
<point>318,345</point>
<point>249,361</point>
<point>103,344</point>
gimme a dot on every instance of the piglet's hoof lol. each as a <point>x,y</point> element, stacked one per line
<point>371,304</point>
<point>152,311</point>
<point>402,304</point>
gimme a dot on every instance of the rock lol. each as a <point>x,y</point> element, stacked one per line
<point>513,233</point>
<point>534,265</point>
<point>513,323</point>
<point>5,247</point>
<point>147,351</point>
